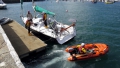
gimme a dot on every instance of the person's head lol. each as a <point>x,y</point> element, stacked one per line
<point>82,44</point>
<point>28,12</point>
<point>70,49</point>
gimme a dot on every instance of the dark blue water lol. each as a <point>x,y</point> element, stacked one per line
<point>98,22</point>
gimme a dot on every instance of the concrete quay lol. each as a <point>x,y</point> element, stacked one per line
<point>8,56</point>
<point>21,41</point>
<point>15,44</point>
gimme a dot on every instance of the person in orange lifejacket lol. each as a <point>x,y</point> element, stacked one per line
<point>81,48</point>
<point>28,24</point>
<point>45,19</point>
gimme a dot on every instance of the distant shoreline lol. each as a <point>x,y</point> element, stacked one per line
<point>18,1</point>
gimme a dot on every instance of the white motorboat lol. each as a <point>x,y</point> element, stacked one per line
<point>5,20</point>
<point>59,31</point>
<point>3,5</point>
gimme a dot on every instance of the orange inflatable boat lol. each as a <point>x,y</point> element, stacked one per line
<point>93,50</point>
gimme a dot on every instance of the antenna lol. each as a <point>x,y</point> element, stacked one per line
<point>21,1</point>
<point>33,3</point>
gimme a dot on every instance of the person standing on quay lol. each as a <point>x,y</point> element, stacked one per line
<point>29,22</point>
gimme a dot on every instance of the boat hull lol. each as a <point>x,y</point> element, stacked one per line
<point>5,20</point>
<point>99,49</point>
<point>3,5</point>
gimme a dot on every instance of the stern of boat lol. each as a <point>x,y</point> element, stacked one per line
<point>62,39</point>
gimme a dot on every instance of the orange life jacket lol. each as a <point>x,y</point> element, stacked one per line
<point>28,23</point>
<point>81,49</point>
<point>44,16</point>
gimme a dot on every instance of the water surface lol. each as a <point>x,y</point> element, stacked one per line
<point>98,22</point>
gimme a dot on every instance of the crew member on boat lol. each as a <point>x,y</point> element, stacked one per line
<point>45,19</point>
<point>73,52</point>
<point>81,48</point>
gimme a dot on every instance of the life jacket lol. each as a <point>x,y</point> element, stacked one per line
<point>81,49</point>
<point>28,23</point>
<point>84,50</point>
<point>44,16</point>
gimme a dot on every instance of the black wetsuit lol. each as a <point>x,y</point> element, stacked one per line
<point>75,51</point>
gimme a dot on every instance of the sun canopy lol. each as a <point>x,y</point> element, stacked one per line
<point>39,9</point>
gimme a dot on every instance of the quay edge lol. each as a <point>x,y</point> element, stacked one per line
<point>9,57</point>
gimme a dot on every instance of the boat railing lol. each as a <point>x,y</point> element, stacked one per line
<point>53,25</point>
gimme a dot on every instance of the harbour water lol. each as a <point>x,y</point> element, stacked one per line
<point>96,23</point>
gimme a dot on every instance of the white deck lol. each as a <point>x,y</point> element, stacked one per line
<point>61,37</point>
